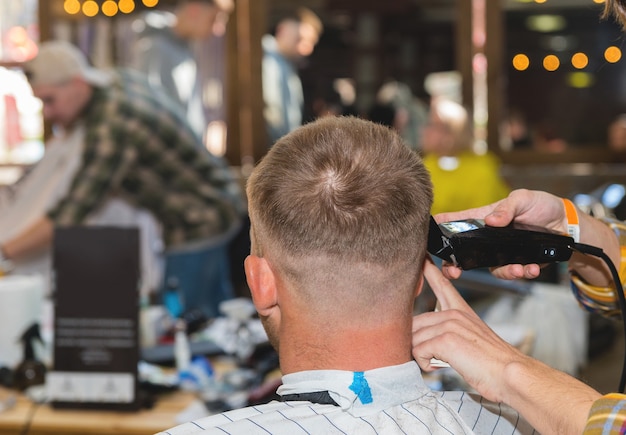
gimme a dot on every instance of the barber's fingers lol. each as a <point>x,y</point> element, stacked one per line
<point>466,343</point>
<point>522,205</point>
<point>498,214</point>
<point>447,296</point>
<point>451,271</point>
<point>436,323</point>
<point>529,207</point>
<point>508,272</point>
<point>457,337</point>
<point>517,271</point>
<point>472,213</point>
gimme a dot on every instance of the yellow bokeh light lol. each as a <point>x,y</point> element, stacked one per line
<point>150,3</point>
<point>580,60</point>
<point>72,7</point>
<point>598,1</point>
<point>521,62</point>
<point>109,8</point>
<point>551,62</point>
<point>540,1</point>
<point>90,8</point>
<point>612,54</point>
<point>126,6</point>
<point>580,80</point>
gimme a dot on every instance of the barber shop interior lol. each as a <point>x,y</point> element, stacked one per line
<point>170,261</point>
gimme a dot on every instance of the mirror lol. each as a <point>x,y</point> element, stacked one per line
<point>564,77</point>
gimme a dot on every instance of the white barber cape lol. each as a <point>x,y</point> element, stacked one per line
<point>43,187</point>
<point>387,400</point>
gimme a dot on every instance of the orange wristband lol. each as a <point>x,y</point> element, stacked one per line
<point>573,227</point>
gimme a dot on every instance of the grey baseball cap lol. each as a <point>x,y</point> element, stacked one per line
<point>57,62</point>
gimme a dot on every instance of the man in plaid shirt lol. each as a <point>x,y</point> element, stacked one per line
<point>137,147</point>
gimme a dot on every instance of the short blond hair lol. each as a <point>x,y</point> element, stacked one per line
<point>342,200</point>
<point>309,17</point>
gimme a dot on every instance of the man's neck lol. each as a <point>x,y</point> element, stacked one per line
<point>352,350</point>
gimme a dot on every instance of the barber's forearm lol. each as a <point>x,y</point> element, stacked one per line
<point>552,401</point>
<point>596,233</point>
<point>30,241</point>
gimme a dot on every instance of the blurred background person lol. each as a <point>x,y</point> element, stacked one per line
<point>411,113</point>
<point>134,146</point>
<point>332,98</point>
<point>311,29</point>
<point>461,177</point>
<point>616,134</point>
<point>164,51</point>
<point>291,39</point>
<point>327,102</point>
<point>547,139</point>
<point>516,133</point>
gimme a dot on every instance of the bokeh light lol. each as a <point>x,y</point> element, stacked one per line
<point>580,79</point>
<point>90,8</point>
<point>612,54</point>
<point>551,62</point>
<point>126,6</point>
<point>72,7</point>
<point>109,8</point>
<point>521,62</point>
<point>580,60</point>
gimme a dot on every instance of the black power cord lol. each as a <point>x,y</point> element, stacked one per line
<point>597,252</point>
<point>29,418</point>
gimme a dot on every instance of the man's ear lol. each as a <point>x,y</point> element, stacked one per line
<point>420,282</point>
<point>420,285</point>
<point>262,283</point>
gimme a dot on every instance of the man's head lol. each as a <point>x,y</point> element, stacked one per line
<point>311,29</point>
<point>288,37</point>
<point>448,131</point>
<point>339,211</point>
<point>297,32</point>
<point>62,78</point>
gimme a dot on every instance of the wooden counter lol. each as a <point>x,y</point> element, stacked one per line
<point>45,420</point>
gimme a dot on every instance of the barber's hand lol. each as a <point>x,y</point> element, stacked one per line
<point>458,336</point>
<point>523,206</point>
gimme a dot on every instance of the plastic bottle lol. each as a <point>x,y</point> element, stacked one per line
<point>182,352</point>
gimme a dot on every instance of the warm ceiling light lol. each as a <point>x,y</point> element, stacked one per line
<point>580,60</point>
<point>551,62</point>
<point>521,62</point>
<point>150,3</point>
<point>109,8</point>
<point>126,6</point>
<point>612,54</point>
<point>72,7</point>
<point>90,8</point>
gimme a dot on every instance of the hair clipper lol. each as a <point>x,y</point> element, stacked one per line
<point>470,244</point>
